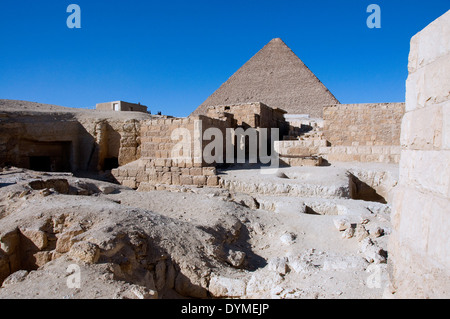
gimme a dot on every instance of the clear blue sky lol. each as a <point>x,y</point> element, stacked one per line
<point>171,55</point>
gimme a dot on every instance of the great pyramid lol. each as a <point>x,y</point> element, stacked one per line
<point>276,77</point>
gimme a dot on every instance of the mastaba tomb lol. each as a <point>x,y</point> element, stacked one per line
<point>273,90</point>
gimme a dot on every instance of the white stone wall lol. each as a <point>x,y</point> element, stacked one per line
<point>420,246</point>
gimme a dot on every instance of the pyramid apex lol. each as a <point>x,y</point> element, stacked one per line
<point>276,40</point>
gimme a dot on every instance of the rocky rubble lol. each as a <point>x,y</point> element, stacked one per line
<point>183,242</point>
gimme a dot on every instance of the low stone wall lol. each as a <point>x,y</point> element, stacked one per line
<point>363,154</point>
<point>419,246</point>
<point>373,124</point>
<point>300,152</point>
<point>146,171</point>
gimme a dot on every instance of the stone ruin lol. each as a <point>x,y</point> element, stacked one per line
<point>276,90</point>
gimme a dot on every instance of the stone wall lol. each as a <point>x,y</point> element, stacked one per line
<point>363,124</point>
<point>158,141</point>
<point>254,115</point>
<point>363,154</point>
<point>72,142</point>
<point>300,152</point>
<point>160,164</point>
<point>149,174</point>
<point>363,132</point>
<point>419,245</point>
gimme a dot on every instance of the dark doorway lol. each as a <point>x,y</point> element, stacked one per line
<point>110,163</point>
<point>46,156</point>
<point>40,163</point>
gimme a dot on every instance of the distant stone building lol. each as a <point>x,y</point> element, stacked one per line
<point>121,106</point>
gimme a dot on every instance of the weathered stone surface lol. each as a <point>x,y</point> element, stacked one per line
<point>279,265</point>
<point>9,242</point>
<point>262,281</point>
<point>288,238</point>
<point>341,223</point>
<point>58,184</point>
<point>107,189</point>
<point>221,286</point>
<point>36,237</point>
<point>236,258</point>
<point>372,253</point>
<point>85,251</point>
<point>15,277</point>
<point>185,287</point>
<point>66,239</point>
<point>348,233</point>
<point>361,232</point>
<point>426,170</point>
<point>140,292</point>
<point>300,264</point>
<point>42,257</point>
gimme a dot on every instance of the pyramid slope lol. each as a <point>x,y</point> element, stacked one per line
<point>276,77</point>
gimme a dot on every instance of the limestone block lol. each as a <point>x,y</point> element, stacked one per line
<point>42,257</point>
<point>221,286</point>
<point>66,239</point>
<point>132,172</point>
<point>129,183</point>
<point>422,128</point>
<point>209,171</point>
<point>262,281</point>
<point>430,44</point>
<point>341,223</point>
<point>236,258</point>
<point>446,126</point>
<point>199,180</point>
<point>85,252</point>
<point>142,176</point>
<point>159,162</point>
<point>426,170</point>
<point>176,178</point>
<point>212,181</point>
<point>195,171</point>
<point>372,253</point>
<point>279,265</point>
<point>186,180</point>
<point>428,86</point>
<point>146,187</point>
<point>36,237</point>
<point>411,213</point>
<point>9,242</point>
<point>140,292</point>
<point>166,178</point>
